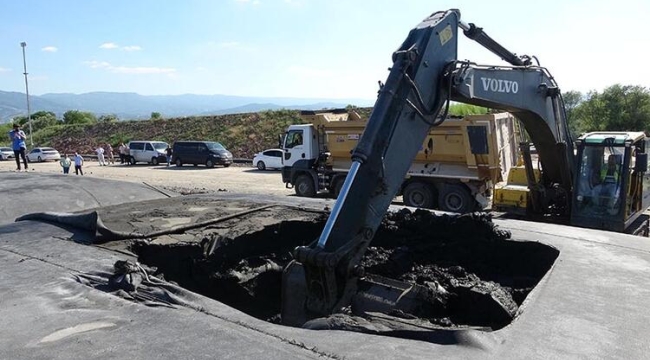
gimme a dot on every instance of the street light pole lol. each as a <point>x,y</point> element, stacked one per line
<point>29,120</point>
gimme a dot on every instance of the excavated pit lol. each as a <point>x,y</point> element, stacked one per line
<point>479,277</point>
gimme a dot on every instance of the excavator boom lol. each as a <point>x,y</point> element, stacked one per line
<point>325,276</point>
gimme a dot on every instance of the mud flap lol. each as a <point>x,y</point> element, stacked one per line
<point>294,295</point>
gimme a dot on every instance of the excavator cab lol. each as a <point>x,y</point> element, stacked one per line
<point>608,190</point>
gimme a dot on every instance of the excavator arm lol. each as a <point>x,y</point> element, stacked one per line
<point>324,276</point>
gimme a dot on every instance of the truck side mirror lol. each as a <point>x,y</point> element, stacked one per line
<point>641,164</point>
<point>279,141</point>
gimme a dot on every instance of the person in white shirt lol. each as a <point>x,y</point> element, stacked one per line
<point>100,155</point>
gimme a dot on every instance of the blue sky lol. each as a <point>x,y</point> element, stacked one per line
<point>299,48</point>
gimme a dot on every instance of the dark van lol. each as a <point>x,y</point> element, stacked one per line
<point>210,153</point>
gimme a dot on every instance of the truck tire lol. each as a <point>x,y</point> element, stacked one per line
<point>456,198</point>
<point>419,194</point>
<point>338,187</point>
<point>304,186</point>
<point>179,163</point>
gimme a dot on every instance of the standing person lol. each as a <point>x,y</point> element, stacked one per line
<point>100,155</point>
<point>168,151</point>
<point>18,144</point>
<point>109,154</point>
<point>121,152</point>
<point>65,163</point>
<point>127,154</point>
<point>78,163</point>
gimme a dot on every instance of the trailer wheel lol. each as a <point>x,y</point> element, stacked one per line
<point>417,194</point>
<point>305,186</point>
<point>455,198</point>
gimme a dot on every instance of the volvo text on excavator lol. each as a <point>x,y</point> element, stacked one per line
<point>426,75</point>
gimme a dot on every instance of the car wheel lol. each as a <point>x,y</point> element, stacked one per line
<point>261,165</point>
<point>40,159</point>
<point>305,186</point>
<point>154,161</point>
<point>418,194</point>
<point>132,161</point>
<point>456,198</point>
<point>195,165</point>
<point>209,163</point>
<point>179,163</point>
<point>226,165</point>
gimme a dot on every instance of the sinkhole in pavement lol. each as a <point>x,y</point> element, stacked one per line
<point>478,276</point>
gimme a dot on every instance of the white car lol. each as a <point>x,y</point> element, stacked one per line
<point>6,153</point>
<point>271,158</point>
<point>43,154</point>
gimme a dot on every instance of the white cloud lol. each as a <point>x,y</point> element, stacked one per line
<point>50,49</point>
<point>4,69</point>
<point>131,48</point>
<point>129,69</point>
<point>108,45</point>
<point>97,64</point>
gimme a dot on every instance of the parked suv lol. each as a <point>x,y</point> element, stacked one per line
<point>151,152</point>
<point>209,153</point>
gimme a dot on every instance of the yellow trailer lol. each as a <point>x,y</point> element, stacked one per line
<point>455,169</point>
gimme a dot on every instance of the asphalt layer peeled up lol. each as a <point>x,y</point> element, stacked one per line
<point>473,274</point>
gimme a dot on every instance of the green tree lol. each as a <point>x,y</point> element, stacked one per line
<point>617,108</point>
<point>40,120</point>
<point>78,117</point>
<point>108,118</point>
<point>572,100</point>
<point>156,115</point>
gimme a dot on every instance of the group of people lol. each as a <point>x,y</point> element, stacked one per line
<point>19,147</point>
<point>66,162</point>
<point>105,160</point>
<point>104,153</point>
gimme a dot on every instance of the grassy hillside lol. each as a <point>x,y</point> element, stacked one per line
<point>242,134</point>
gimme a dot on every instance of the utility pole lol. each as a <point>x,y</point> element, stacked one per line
<point>29,120</point>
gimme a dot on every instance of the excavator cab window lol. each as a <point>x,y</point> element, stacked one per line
<point>600,182</point>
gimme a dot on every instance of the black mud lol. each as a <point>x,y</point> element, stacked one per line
<point>477,275</point>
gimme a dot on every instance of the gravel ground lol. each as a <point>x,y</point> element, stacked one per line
<point>238,178</point>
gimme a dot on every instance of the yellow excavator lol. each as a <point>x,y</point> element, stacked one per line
<point>425,77</point>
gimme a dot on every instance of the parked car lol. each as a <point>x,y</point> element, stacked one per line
<point>43,154</point>
<point>209,153</point>
<point>151,152</point>
<point>6,153</point>
<point>270,158</point>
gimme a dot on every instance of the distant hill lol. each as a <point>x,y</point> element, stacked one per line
<point>130,106</point>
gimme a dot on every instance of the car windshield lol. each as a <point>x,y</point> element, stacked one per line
<point>160,146</point>
<point>215,146</point>
<point>5,149</point>
<point>47,149</point>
